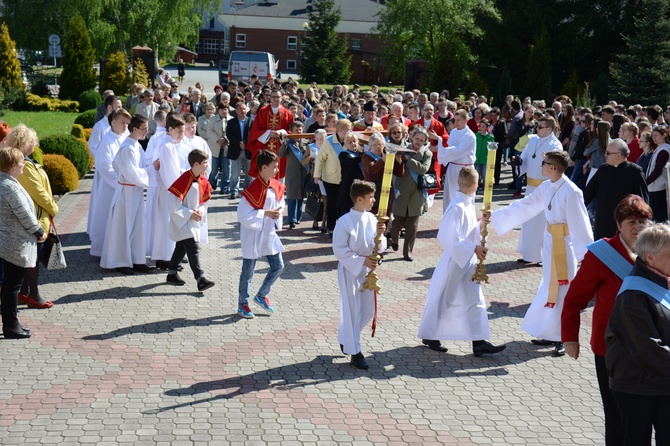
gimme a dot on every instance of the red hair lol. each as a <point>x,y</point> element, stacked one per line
<point>632,206</point>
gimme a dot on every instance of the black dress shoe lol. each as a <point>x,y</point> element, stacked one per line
<point>487,348</point>
<point>174,279</point>
<point>125,270</point>
<point>358,361</point>
<point>435,345</point>
<point>25,329</point>
<point>324,230</point>
<point>342,348</point>
<point>559,350</point>
<point>141,268</point>
<point>15,335</point>
<point>204,284</point>
<point>409,258</point>
<point>291,225</point>
<point>395,246</point>
<point>542,342</point>
<point>524,261</point>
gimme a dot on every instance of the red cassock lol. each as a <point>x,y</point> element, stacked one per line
<point>266,120</point>
<point>592,279</point>
<point>438,128</point>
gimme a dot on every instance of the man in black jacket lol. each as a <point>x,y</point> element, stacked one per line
<point>237,133</point>
<point>610,184</point>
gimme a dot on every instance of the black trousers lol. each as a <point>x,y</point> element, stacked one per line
<point>9,297</point>
<point>613,425</point>
<point>333,193</point>
<point>659,206</point>
<point>639,413</point>
<point>189,248</point>
<point>498,168</point>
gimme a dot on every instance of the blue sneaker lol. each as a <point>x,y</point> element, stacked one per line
<point>245,312</point>
<point>265,303</point>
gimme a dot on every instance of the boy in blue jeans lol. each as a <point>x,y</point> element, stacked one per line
<point>260,216</point>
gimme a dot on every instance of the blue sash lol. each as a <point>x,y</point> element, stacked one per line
<point>637,283</point>
<point>332,139</point>
<point>297,153</point>
<point>611,258</point>
<point>372,155</point>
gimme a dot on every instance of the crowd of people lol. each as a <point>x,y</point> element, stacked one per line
<point>587,172</point>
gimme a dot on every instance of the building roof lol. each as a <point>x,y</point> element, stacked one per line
<point>352,10</point>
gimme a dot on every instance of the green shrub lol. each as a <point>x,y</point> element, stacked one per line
<point>37,155</point>
<point>62,174</point>
<point>115,77</point>
<point>77,131</point>
<point>86,119</point>
<point>89,99</point>
<point>70,148</point>
<point>91,160</point>
<point>37,103</point>
<point>40,88</point>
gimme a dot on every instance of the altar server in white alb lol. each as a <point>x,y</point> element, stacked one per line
<point>123,248</point>
<point>353,244</point>
<point>150,156</point>
<point>105,180</point>
<point>169,170</point>
<point>455,308</point>
<point>564,244</point>
<point>193,142</point>
<point>459,154</point>
<point>532,156</point>
<point>100,129</point>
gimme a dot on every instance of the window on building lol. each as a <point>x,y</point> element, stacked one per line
<point>240,40</point>
<point>209,46</point>
<point>223,46</point>
<point>291,64</point>
<point>292,43</point>
<point>355,44</point>
<point>211,23</point>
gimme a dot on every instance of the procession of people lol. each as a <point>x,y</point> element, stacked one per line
<point>576,186</point>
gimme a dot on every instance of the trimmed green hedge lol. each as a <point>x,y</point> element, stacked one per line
<point>86,119</point>
<point>70,148</point>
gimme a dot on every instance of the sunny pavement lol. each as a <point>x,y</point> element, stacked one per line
<point>131,360</point>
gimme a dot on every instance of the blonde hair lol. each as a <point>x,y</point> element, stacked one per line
<point>21,137</point>
<point>467,177</point>
<point>9,157</point>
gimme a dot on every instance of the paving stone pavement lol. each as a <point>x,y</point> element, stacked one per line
<point>130,360</point>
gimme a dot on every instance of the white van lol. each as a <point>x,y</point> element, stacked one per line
<point>242,64</point>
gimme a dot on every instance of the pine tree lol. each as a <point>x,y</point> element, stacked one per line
<point>140,74</point>
<point>115,77</point>
<point>78,58</point>
<point>538,67</point>
<point>640,74</point>
<point>10,67</point>
<point>324,58</point>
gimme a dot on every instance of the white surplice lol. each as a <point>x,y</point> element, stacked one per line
<point>455,307</point>
<point>258,233</point>
<point>124,239</point>
<point>149,157</point>
<point>105,183</point>
<point>460,153</point>
<point>533,229</point>
<point>353,241</point>
<point>182,227</point>
<point>170,170</point>
<point>100,129</point>
<point>567,206</point>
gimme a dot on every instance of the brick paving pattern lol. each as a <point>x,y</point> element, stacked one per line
<point>123,360</point>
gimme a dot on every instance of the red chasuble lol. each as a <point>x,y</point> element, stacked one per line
<point>258,191</point>
<point>438,128</point>
<point>183,184</point>
<point>266,120</point>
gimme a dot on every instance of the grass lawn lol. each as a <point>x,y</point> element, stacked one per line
<point>44,123</point>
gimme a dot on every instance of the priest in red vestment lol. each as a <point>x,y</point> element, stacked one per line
<point>271,122</point>
<point>437,134</point>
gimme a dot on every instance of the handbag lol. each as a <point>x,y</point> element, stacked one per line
<point>313,206</point>
<point>52,255</point>
<point>427,181</point>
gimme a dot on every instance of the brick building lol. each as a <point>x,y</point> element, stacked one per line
<point>276,26</point>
